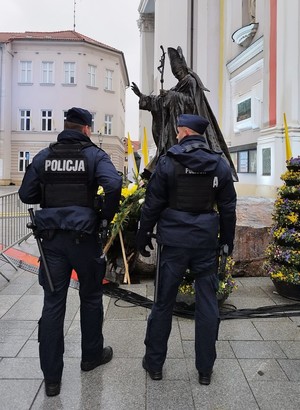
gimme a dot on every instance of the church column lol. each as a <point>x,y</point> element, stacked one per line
<point>146,26</point>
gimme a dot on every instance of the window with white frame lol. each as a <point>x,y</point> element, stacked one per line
<point>247,94</point>
<point>108,80</point>
<point>252,161</point>
<point>242,161</point>
<point>92,75</point>
<point>47,72</point>
<point>246,161</point>
<point>24,158</point>
<point>107,124</point>
<point>25,120</point>
<point>243,110</point>
<point>46,120</point>
<point>69,73</point>
<point>266,161</point>
<point>26,71</point>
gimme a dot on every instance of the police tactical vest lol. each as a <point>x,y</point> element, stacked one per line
<point>66,178</point>
<point>192,191</point>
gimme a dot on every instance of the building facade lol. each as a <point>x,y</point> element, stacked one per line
<point>44,74</point>
<point>246,52</point>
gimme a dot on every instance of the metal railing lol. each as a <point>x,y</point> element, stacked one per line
<point>13,219</point>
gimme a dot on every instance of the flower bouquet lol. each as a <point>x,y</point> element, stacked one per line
<point>120,247</point>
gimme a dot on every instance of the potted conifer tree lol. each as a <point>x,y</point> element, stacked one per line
<point>283,253</point>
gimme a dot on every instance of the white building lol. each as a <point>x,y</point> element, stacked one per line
<point>44,74</point>
<point>246,53</point>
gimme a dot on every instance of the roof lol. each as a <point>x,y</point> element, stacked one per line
<point>69,35</point>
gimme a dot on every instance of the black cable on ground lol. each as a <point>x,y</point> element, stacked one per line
<point>181,309</point>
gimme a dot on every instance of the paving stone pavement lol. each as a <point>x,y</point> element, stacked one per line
<point>258,364</point>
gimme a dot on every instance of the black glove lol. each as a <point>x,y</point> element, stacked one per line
<point>144,239</point>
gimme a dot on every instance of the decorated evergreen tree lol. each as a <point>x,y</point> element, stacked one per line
<point>283,253</point>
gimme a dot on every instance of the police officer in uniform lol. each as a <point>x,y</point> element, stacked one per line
<point>64,179</point>
<point>191,198</point>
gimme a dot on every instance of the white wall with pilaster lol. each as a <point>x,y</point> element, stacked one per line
<point>288,52</point>
<point>146,26</point>
<point>206,53</point>
<point>171,30</point>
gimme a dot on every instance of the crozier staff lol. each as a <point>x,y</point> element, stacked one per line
<point>64,179</point>
<point>191,198</point>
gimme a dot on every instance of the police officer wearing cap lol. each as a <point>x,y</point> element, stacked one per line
<point>64,179</point>
<point>191,198</point>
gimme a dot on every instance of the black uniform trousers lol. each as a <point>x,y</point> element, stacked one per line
<point>174,262</point>
<point>65,251</point>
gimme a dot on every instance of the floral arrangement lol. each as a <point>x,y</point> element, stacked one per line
<point>283,253</point>
<point>132,198</point>
<point>289,191</point>
<point>291,176</point>
<point>293,162</point>
<point>226,286</point>
<point>122,230</point>
<point>282,273</point>
<point>285,235</point>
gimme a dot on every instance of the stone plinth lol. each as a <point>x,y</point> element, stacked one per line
<point>254,219</point>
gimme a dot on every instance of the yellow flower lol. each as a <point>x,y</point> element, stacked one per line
<point>293,217</point>
<point>290,175</point>
<point>100,190</point>
<point>124,192</point>
<point>132,188</point>
<point>278,232</point>
<point>129,190</point>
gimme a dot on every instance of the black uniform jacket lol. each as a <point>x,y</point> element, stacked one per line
<point>77,218</point>
<point>204,230</point>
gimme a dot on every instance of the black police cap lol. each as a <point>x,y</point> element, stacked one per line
<point>79,116</point>
<point>194,122</point>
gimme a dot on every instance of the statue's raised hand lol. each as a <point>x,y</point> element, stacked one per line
<point>136,89</point>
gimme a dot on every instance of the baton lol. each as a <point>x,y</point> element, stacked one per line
<point>157,271</point>
<point>31,225</point>
<point>223,255</point>
<point>156,285</point>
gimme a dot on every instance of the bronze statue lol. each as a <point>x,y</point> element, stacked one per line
<point>187,97</point>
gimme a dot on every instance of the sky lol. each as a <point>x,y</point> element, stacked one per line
<point>112,22</point>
